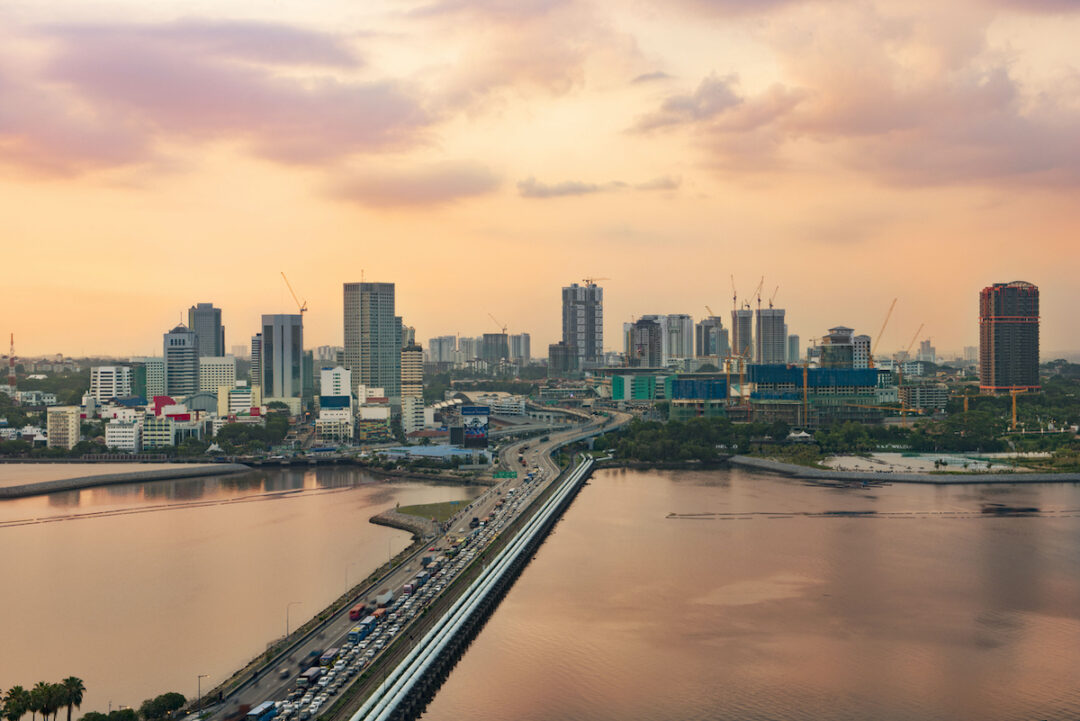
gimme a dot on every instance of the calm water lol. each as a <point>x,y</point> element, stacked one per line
<point>768,606</point>
<point>137,589</point>
<point>15,474</point>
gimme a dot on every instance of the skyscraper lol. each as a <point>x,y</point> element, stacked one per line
<point>680,336</point>
<point>646,344</point>
<point>583,322</point>
<point>1009,337</point>
<point>794,355</point>
<point>282,356</point>
<point>838,348</point>
<point>412,371</point>
<point>372,337</point>
<point>711,338</point>
<point>494,347</point>
<point>742,342</point>
<point>256,361</point>
<point>860,351</point>
<point>441,349</point>
<point>771,336</point>
<point>520,351</point>
<point>181,347</point>
<point>204,320</point>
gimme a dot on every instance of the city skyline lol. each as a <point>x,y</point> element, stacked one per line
<point>848,154</point>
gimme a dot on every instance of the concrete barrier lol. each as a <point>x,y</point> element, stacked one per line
<point>110,479</point>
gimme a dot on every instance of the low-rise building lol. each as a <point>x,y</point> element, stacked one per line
<point>123,436</point>
<point>63,426</point>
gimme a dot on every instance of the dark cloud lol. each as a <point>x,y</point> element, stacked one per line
<point>431,185</point>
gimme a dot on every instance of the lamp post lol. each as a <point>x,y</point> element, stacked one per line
<point>199,682</point>
<point>287,606</point>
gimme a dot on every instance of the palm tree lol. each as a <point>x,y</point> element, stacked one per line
<point>37,699</point>
<point>16,703</point>
<point>56,697</point>
<point>73,693</point>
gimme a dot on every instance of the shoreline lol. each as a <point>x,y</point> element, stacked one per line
<point>40,488</point>
<point>817,474</point>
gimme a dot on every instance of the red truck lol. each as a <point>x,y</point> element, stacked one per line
<point>358,611</point>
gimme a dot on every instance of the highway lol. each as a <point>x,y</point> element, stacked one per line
<point>277,680</point>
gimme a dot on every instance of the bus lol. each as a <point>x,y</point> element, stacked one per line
<point>357,612</point>
<point>263,712</point>
<point>329,657</point>
<point>308,678</point>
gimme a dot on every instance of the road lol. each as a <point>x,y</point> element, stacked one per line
<point>277,680</point>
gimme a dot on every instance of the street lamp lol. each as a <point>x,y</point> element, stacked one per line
<point>199,682</point>
<point>287,606</point>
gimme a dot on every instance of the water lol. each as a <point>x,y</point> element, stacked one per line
<point>16,474</point>
<point>779,606</point>
<point>139,588</point>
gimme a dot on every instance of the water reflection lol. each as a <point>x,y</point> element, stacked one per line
<point>733,595</point>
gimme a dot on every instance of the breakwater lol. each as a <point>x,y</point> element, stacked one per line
<point>108,479</point>
<point>942,479</point>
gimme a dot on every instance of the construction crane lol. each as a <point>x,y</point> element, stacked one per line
<point>592,281</point>
<point>711,314</point>
<point>757,292</point>
<point>734,295</point>
<point>907,354</point>
<point>301,305</point>
<point>11,368</point>
<point>880,332</point>
<point>1014,393</point>
<point>773,296</point>
<point>502,326</point>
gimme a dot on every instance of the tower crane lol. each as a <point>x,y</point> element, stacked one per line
<point>734,295</point>
<point>773,296</point>
<point>758,292</point>
<point>880,332</point>
<point>502,326</point>
<point>301,305</point>
<point>592,281</point>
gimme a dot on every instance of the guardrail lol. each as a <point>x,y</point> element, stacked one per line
<point>402,687</point>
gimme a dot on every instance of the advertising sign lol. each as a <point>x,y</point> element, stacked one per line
<point>475,422</point>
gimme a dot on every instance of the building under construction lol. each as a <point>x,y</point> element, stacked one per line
<point>1009,337</point>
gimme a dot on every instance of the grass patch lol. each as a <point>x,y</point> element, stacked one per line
<point>439,511</point>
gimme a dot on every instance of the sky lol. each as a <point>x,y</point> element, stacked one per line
<point>481,154</point>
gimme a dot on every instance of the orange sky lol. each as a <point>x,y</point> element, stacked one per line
<point>483,154</point>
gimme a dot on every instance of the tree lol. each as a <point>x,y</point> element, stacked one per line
<point>37,700</point>
<point>16,703</point>
<point>74,688</point>
<point>161,706</point>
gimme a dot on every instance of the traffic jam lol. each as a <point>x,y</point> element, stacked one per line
<point>321,675</point>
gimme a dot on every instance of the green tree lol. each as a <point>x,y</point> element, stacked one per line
<point>162,706</point>
<point>74,688</point>
<point>16,703</point>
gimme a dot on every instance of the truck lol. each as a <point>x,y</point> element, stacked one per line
<point>239,713</point>
<point>357,612</point>
<point>308,678</point>
<point>408,589</point>
<point>379,615</point>
<point>328,657</point>
<point>385,598</point>
<point>475,522</point>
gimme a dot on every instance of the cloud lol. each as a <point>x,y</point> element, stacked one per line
<point>117,95</point>
<point>532,188</point>
<point>427,185</point>
<point>650,77</point>
<point>908,100</point>
<point>713,96</point>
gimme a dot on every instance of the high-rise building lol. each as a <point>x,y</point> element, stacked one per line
<point>583,322</point>
<point>771,336</point>
<point>679,330</point>
<point>838,348</point>
<point>562,359</point>
<point>711,338</point>
<point>215,372</point>
<point>181,347</point>
<point>794,354</point>
<point>469,347</point>
<point>204,320</point>
<point>108,382</point>
<point>520,350</point>
<point>646,344</point>
<point>408,335</point>
<point>412,372</point>
<point>372,337</point>
<point>742,341</point>
<point>240,352</point>
<point>329,354</point>
<point>62,425</point>
<point>860,351</point>
<point>441,349</point>
<point>281,356</point>
<point>1009,337</point>
<point>971,354</point>
<point>412,413</point>
<point>148,377</point>
<point>256,360</point>
<point>927,352</point>
<point>494,347</point>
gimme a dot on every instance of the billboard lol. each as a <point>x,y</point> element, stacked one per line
<point>475,422</point>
